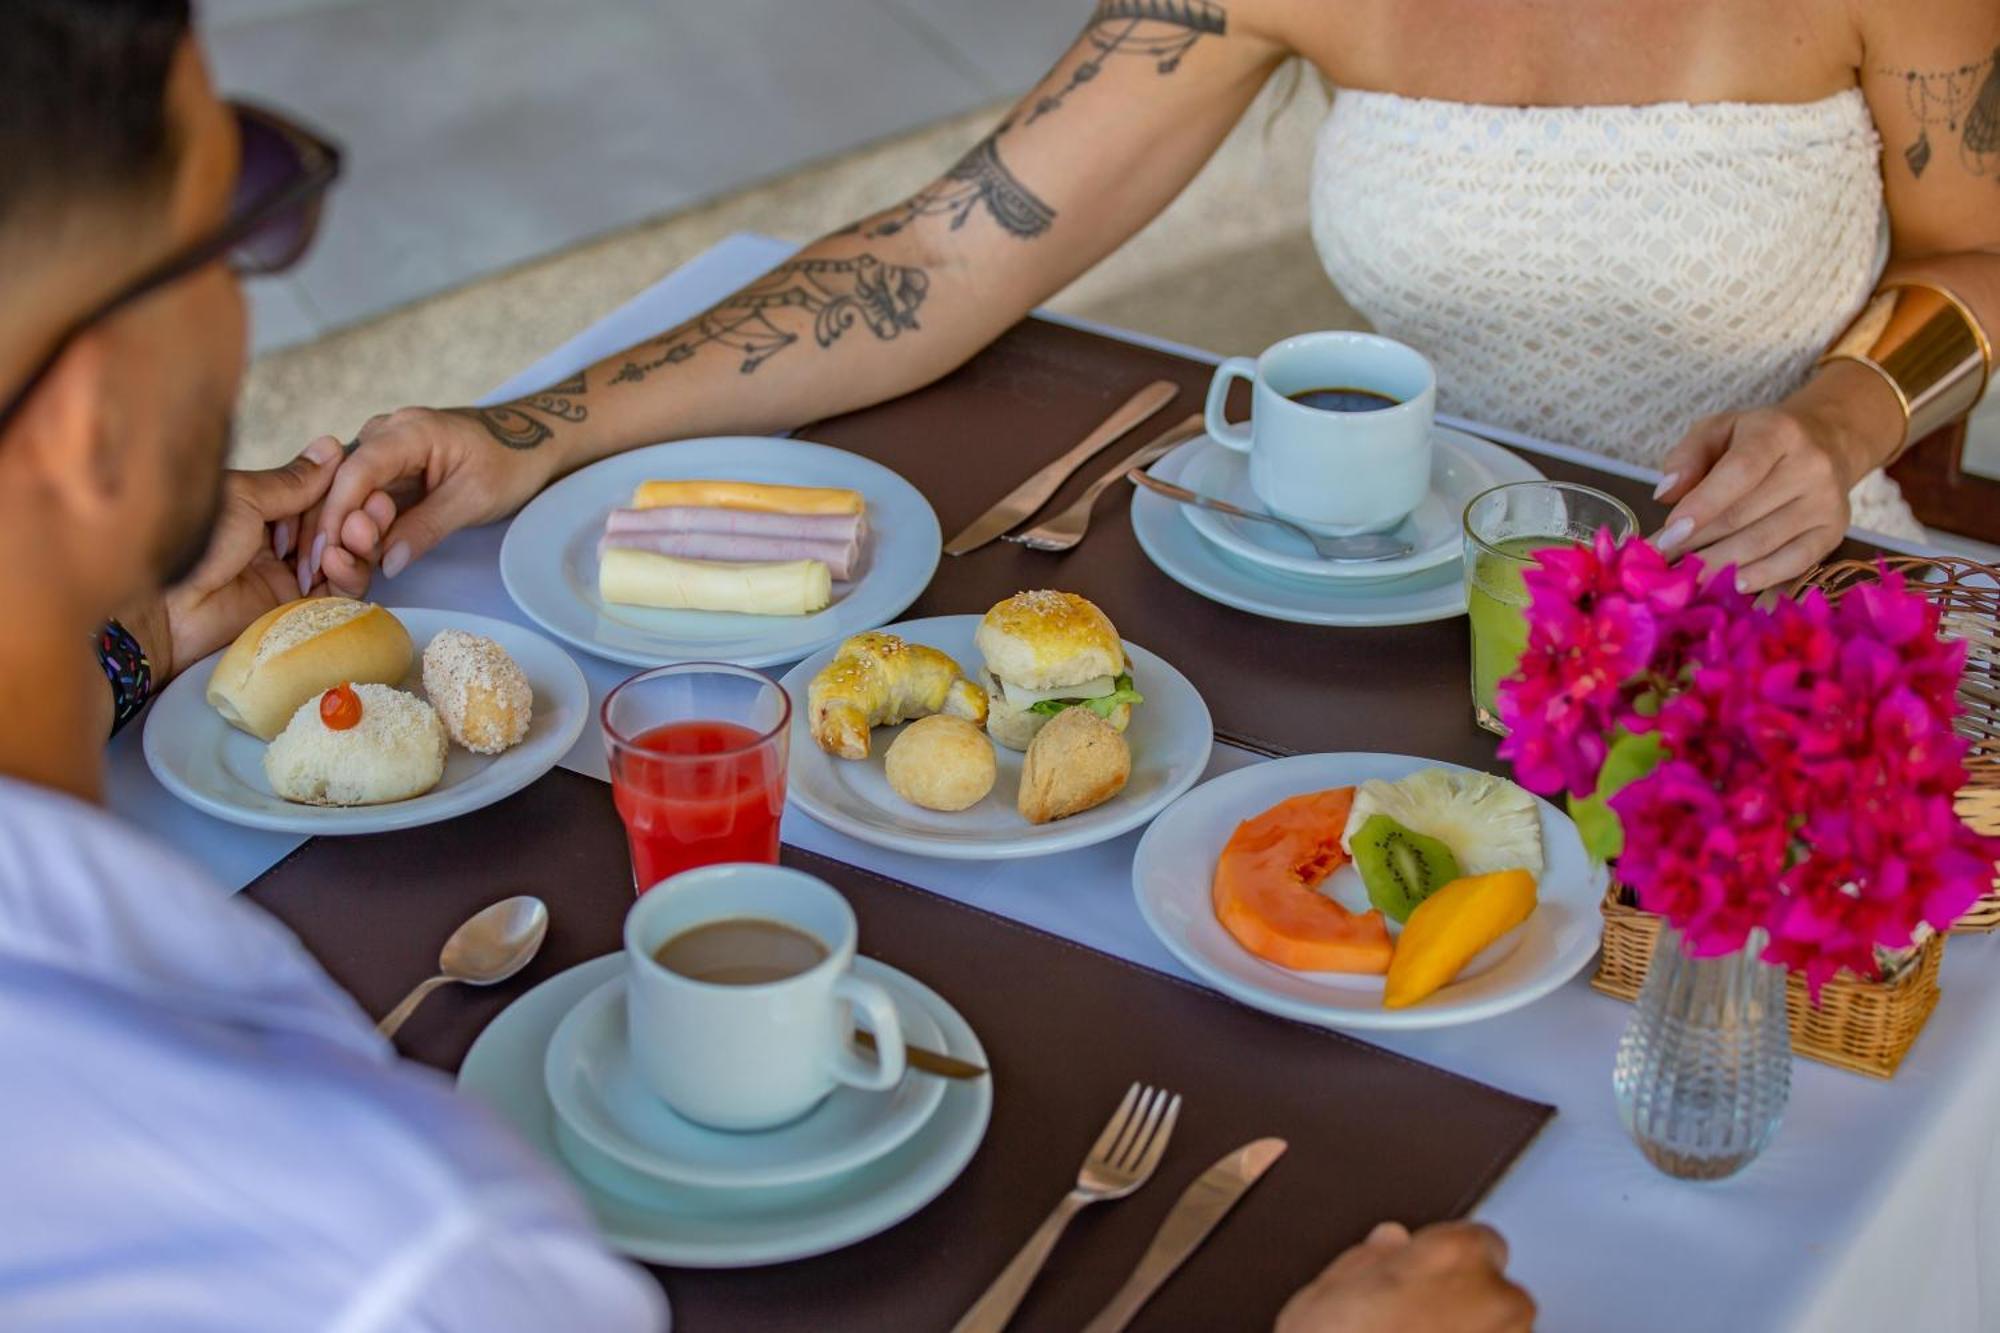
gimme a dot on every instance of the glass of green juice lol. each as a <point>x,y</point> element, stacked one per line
<point>1504,527</point>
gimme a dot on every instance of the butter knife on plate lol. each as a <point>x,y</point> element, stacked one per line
<point>1019,505</point>
<point>1201,1207</point>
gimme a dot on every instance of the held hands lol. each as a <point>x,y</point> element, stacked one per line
<point>244,572</point>
<point>1448,1278</point>
<point>414,477</point>
<point>1766,489</point>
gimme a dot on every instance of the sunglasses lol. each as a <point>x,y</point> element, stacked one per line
<point>281,181</point>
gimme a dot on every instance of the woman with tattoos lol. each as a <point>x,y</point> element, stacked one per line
<point>1632,225</point>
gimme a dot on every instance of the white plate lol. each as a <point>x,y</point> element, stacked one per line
<point>601,1099</point>
<point>696,1228</point>
<point>1459,471</point>
<point>1170,736</point>
<point>218,769</point>
<point>1173,872</point>
<point>549,557</point>
<point>1191,561</point>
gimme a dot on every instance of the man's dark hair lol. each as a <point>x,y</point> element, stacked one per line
<point>83,88</point>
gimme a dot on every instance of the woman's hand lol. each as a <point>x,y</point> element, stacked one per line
<point>1766,489</point>
<point>414,477</point>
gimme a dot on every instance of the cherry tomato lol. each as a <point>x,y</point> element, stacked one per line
<point>340,708</point>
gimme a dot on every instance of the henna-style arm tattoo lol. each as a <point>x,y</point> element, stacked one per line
<point>979,179</point>
<point>838,293</point>
<point>1161,30</point>
<point>525,422</point>
<point>1963,102</point>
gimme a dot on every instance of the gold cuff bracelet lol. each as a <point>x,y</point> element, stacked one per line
<point>1928,349</point>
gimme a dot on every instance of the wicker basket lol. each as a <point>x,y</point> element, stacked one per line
<point>1969,595</point>
<point>1864,1026</point>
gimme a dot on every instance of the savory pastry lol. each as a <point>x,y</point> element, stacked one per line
<point>941,762</point>
<point>357,745</point>
<point>1076,761</point>
<point>291,653</point>
<point>479,693</point>
<point>877,680</point>
<point>743,535</point>
<point>1046,652</point>
<point>752,495</point>
<point>784,588</point>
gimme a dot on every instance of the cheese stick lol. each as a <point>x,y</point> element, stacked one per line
<point>769,499</point>
<point>641,578</point>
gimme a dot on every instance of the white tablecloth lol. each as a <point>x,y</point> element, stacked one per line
<point>1872,1210</point>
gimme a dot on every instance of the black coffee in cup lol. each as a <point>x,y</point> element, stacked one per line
<point>1342,399</point>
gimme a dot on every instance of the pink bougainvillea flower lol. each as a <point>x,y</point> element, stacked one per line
<point>1810,759</point>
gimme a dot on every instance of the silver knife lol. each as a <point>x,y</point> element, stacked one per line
<point>1021,503</point>
<point>1205,1203</point>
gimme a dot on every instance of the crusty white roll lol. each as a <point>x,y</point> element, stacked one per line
<point>941,762</point>
<point>479,692</point>
<point>296,651</point>
<point>396,751</point>
<point>1045,643</point>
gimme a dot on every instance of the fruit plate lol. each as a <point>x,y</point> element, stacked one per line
<point>1173,870</point>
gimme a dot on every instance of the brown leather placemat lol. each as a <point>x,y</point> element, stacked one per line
<point>1372,1134</point>
<point>1272,686</point>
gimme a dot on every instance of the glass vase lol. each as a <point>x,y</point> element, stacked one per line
<point>1705,1066</point>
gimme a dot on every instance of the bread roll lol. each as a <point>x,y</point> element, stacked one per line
<point>1076,762</point>
<point>756,495</point>
<point>293,653</point>
<point>1044,642</point>
<point>480,694</point>
<point>941,763</point>
<point>641,578</point>
<point>395,752</point>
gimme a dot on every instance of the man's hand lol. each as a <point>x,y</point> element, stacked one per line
<point>1448,1278</point>
<point>416,476</point>
<point>1766,489</point>
<point>244,573</point>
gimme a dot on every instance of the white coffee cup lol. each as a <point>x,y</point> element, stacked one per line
<point>1333,472</point>
<point>753,1056</point>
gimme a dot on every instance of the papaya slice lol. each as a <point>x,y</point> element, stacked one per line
<point>1265,892</point>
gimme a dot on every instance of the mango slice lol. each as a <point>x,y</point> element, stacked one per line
<point>1450,927</point>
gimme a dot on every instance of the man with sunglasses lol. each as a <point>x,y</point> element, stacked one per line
<point>198,1129</point>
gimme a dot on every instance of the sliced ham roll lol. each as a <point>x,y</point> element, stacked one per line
<point>749,522</point>
<point>839,557</point>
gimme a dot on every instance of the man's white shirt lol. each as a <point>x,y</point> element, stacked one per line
<point>199,1130</point>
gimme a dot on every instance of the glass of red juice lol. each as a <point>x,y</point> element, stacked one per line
<point>697,756</point>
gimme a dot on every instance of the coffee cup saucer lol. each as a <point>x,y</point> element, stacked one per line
<point>599,1098</point>
<point>1461,468</point>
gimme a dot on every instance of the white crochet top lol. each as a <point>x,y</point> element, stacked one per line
<point>1604,275</point>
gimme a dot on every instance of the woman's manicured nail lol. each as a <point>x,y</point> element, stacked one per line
<point>1674,534</point>
<point>281,538</point>
<point>323,450</point>
<point>396,560</point>
<point>309,567</point>
<point>1667,483</point>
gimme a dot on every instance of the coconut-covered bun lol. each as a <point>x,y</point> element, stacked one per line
<point>479,693</point>
<point>394,752</point>
<point>1046,639</point>
<point>941,763</point>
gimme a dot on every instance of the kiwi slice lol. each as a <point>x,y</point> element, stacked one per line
<point>1401,868</point>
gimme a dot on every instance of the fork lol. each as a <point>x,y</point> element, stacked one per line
<point>1120,1162</point>
<point>1066,529</point>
